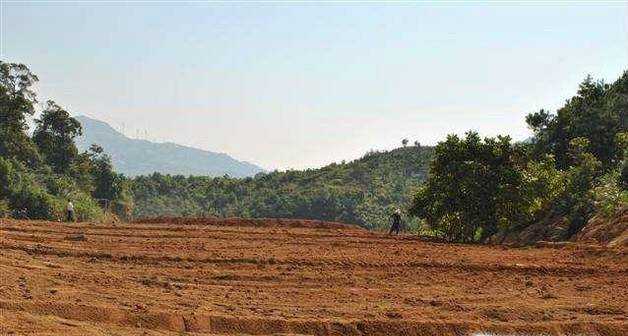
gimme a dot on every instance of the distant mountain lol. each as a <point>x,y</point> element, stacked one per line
<point>134,157</point>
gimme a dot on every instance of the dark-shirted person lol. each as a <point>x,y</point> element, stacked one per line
<point>395,220</point>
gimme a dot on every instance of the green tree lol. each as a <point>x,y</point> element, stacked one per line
<point>17,100</point>
<point>109,185</point>
<point>54,135</point>
<point>474,188</point>
<point>597,113</point>
<point>578,202</point>
<point>622,140</point>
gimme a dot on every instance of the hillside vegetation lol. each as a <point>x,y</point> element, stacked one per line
<point>363,191</point>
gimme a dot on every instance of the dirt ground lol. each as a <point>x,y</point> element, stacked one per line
<point>296,277</point>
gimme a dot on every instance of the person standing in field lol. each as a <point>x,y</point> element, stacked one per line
<point>395,220</point>
<point>70,212</point>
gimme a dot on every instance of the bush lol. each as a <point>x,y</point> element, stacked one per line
<point>624,174</point>
<point>6,177</point>
<point>37,203</point>
<point>609,195</point>
<point>5,210</point>
<point>85,207</point>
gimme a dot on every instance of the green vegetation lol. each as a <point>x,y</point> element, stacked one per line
<point>474,187</point>
<point>574,167</point>
<point>39,174</point>
<point>362,192</point>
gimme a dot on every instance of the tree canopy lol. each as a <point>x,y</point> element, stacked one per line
<point>17,101</point>
<point>54,137</point>
<point>474,187</point>
<point>597,113</point>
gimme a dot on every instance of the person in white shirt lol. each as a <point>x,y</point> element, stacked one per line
<point>70,212</point>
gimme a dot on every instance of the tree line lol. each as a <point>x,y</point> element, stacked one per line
<point>363,192</point>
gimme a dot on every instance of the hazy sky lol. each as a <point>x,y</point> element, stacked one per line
<point>302,85</point>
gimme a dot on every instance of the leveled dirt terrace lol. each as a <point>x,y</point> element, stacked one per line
<point>174,277</point>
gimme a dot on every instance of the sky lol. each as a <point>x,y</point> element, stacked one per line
<point>300,85</point>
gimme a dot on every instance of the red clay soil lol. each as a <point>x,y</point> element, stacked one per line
<point>611,231</point>
<point>187,277</point>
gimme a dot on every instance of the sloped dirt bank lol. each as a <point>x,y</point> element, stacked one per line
<point>611,231</point>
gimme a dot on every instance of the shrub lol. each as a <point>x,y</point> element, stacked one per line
<point>609,195</point>
<point>5,210</point>
<point>85,207</point>
<point>36,201</point>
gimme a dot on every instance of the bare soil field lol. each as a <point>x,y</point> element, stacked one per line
<point>264,277</point>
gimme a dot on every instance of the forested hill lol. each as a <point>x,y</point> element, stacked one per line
<point>363,191</point>
<point>134,157</point>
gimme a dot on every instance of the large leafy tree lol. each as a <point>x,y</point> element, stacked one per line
<point>102,171</point>
<point>54,135</point>
<point>577,203</point>
<point>474,188</point>
<point>17,102</point>
<point>109,186</point>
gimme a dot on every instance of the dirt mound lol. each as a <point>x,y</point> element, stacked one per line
<point>609,231</point>
<point>253,222</point>
<point>266,277</point>
<point>612,231</point>
<point>549,229</point>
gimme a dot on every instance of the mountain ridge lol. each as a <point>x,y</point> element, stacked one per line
<point>134,157</point>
